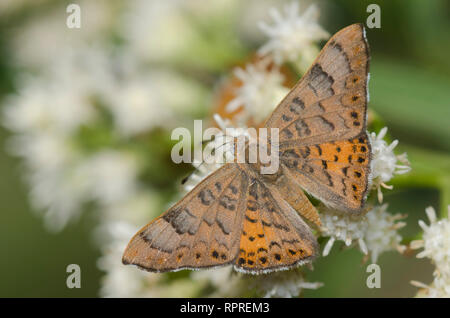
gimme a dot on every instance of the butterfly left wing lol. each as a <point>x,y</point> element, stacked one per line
<point>202,230</point>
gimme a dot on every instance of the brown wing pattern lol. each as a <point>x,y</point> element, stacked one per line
<point>201,230</point>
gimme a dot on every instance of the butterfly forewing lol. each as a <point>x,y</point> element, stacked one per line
<point>322,123</point>
<point>330,101</point>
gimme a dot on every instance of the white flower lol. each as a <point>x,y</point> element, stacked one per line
<point>342,227</point>
<point>45,116</point>
<point>261,91</point>
<point>121,280</point>
<point>42,151</point>
<point>136,107</point>
<point>56,190</point>
<point>375,232</point>
<point>43,37</point>
<point>286,284</point>
<point>47,106</point>
<point>436,246</point>
<point>141,100</point>
<point>384,162</point>
<point>435,242</point>
<point>157,30</point>
<point>381,234</point>
<point>439,288</point>
<point>111,176</point>
<point>180,94</point>
<point>293,36</point>
<point>250,14</point>
<point>58,195</point>
<point>138,207</point>
<point>225,281</point>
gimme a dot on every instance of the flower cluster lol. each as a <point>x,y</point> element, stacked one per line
<point>261,90</point>
<point>55,113</point>
<point>436,246</point>
<point>385,164</point>
<point>293,36</point>
<point>283,284</point>
<point>375,232</point>
<point>79,124</point>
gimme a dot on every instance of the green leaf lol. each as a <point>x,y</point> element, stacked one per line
<point>413,102</point>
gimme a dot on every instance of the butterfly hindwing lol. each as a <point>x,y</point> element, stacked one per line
<point>273,235</point>
<point>337,172</point>
<point>201,230</point>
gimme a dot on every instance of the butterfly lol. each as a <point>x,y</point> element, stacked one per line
<point>258,223</point>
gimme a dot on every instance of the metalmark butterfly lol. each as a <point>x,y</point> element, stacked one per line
<point>239,216</point>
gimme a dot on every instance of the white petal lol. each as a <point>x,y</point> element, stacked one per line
<point>328,246</point>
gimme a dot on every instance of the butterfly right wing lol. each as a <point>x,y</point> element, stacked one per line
<point>202,230</point>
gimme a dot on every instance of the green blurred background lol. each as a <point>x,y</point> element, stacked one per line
<point>409,89</point>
